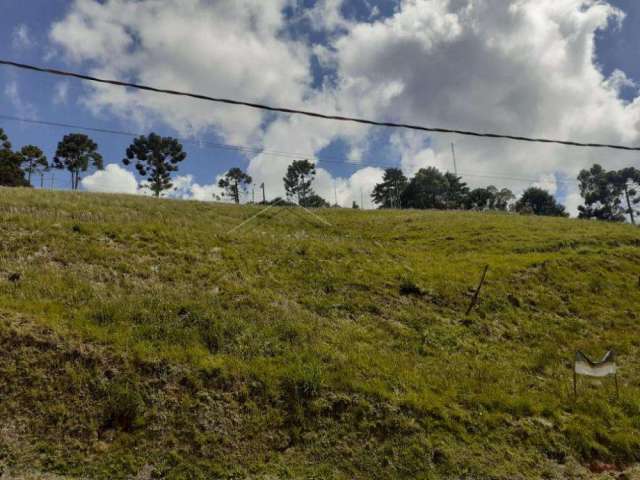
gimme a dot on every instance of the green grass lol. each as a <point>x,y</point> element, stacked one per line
<point>142,336</point>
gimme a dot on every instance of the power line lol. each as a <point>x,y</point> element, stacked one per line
<point>243,148</point>
<point>308,113</point>
<point>249,149</point>
<point>198,143</point>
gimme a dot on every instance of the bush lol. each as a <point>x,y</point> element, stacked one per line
<point>409,287</point>
<point>303,384</point>
<point>123,406</point>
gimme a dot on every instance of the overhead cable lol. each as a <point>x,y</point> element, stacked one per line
<point>257,150</point>
<point>309,113</point>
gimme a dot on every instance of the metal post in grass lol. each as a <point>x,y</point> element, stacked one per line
<point>476,294</point>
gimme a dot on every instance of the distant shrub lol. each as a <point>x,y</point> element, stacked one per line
<point>123,405</point>
<point>213,338</point>
<point>625,446</point>
<point>583,440</point>
<point>105,315</point>
<point>303,384</point>
<point>409,287</point>
<point>220,334</point>
<point>308,382</point>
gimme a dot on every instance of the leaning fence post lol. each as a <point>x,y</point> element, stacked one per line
<point>474,300</point>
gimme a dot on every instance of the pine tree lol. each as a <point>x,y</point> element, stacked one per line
<point>387,194</point>
<point>298,180</point>
<point>234,182</point>
<point>77,153</point>
<point>33,161</point>
<point>156,159</point>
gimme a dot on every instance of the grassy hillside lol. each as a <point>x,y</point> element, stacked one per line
<point>143,338</point>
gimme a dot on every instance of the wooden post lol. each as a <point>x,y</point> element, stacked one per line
<point>474,300</point>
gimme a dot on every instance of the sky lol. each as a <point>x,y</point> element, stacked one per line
<point>556,68</point>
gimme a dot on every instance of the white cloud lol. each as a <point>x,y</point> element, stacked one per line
<point>21,37</point>
<point>525,68</point>
<point>21,106</point>
<point>572,202</point>
<point>547,182</point>
<point>618,81</point>
<point>185,188</point>
<point>327,15</point>
<point>61,93</point>
<point>113,179</point>
<point>414,156</point>
<point>347,190</point>
<point>223,48</point>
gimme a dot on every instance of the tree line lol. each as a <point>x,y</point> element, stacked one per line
<point>155,159</point>
<point>431,189</point>
<point>610,195</point>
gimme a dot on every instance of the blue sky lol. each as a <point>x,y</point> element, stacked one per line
<point>38,96</point>
<point>204,163</point>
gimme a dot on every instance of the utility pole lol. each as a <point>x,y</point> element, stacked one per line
<point>264,197</point>
<point>453,153</point>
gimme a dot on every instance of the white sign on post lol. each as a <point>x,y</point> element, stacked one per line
<point>587,367</point>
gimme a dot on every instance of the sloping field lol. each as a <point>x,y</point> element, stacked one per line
<point>143,337</point>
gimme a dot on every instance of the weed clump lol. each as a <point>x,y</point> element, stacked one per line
<point>299,388</point>
<point>303,384</point>
<point>123,406</point>
<point>408,287</point>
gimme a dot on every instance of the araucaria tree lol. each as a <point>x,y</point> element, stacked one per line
<point>629,181</point>
<point>77,153</point>
<point>387,194</point>
<point>298,180</point>
<point>33,161</point>
<point>156,159</point>
<point>234,182</point>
